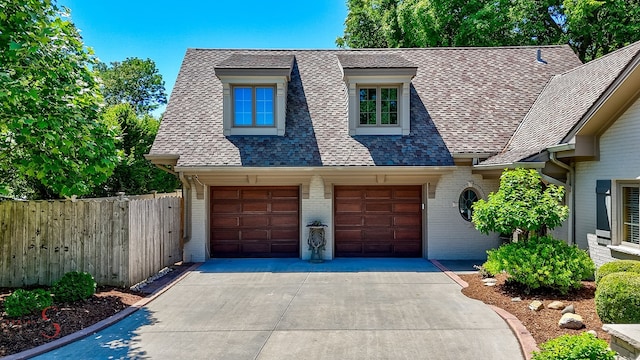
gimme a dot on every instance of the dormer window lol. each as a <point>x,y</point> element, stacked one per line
<point>253,106</point>
<point>379,88</point>
<point>254,93</point>
<point>378,106</point>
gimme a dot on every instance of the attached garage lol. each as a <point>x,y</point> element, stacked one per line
<point>255,222</point>
<point>378,221</point>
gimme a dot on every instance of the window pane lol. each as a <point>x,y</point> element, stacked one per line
<point>368,106</point>
<point>389,106</point>
<point>264,106</point>
<point>242,106</point>
<point>631,214</point>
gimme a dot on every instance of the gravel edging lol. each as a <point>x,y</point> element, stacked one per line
<point>527,343</point>
<point>101,324</point>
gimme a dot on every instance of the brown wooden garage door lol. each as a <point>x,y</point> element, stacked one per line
<point>254,222</point>
<point>378,221</point>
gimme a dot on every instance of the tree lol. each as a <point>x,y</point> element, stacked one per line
<point>134,174</point>
<point>50,131</point>
<point>592,27</point>
<point>521,202</point>
<point>133,81</point>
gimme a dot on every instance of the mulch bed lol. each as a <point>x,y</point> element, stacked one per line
<point>543,324</point>
<point>26,332</point>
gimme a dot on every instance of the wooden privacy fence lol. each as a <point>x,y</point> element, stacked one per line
<point>120,241</point>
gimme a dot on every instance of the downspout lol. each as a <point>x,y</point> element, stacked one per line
<point>571,182</point>
<point>186,214</point>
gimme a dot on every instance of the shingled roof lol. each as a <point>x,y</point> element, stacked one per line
<point>562,104</point>
<point>463,100</point>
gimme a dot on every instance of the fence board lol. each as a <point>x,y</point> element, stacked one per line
<point>120,241</point>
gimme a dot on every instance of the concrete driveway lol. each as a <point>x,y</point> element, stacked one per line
<point>289,309</point>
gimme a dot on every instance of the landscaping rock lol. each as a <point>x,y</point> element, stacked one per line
<point>487,280</point>
<point>516,299</point>
<point>536,305</point>
<point>571,321</point>
<point>490,284</point>
<point>556,305</point>
<point>592,332</point>
<point>569,310</point>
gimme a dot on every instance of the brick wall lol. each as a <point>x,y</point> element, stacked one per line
<point>449,236</point>
<point>316,207</point>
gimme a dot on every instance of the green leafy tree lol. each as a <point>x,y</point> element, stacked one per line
<point>592,27</point>
<point>521,202</point>
<point>133,81</point>
<point>50,130</point>
<point>135,175</point>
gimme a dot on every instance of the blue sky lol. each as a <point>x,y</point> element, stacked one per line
<point>162,30</point>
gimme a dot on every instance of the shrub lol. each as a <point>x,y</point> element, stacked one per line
<point>575,347</point>
<point>541,262</point>
<point>618,298</point>
<point>617,266</point>
<point>74,286</point>
<point>24,302</point>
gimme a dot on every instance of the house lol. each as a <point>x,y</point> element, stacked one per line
<point>583,130</point>
<point>387,147</point>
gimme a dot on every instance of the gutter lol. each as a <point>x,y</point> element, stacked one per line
<point>570,184</point>
<point>523,164</point>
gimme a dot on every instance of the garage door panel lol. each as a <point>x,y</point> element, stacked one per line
<point>226,221</point>
<point>378,249</point>
<point>378,194</point>
<point>401,250</point>
<point>349,248</point>
<point>407,208</point>
<point>221,248</point>
<point>254,235</point>
<point>284,207</point>
<point>347,194</point>
<point>255,221</point>
<point>378,234</point>
<point>284,220</point>
<point>409,234</point>
<point>378,221</point>
<point>233,235</point>
<point>284,194</point>
<point>379,207</point>
<point>349,234</point>
<point>256,248</point>
<point>279,235</point>
<point>408,194</point>
<point>255,194</point>
<point>407,220</point>
<point>225,194</point>
<point>261,207</point>
<point>349,207</point>
<point>226,207</point>
<point>349,220</point>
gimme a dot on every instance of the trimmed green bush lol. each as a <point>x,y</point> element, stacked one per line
<point>618,298</point>
<point>575,347</point>
<point>541,262</point>
<point>617,266</point>
<point>74,286</point>
<point>24,302</point>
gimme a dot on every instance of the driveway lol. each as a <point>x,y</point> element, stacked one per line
<point>289,309</point>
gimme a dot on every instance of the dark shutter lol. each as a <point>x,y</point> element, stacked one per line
<point>603,208</point>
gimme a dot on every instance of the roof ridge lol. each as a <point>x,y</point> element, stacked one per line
<point>388,49</point>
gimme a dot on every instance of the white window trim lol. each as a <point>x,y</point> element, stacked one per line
<point>617,212</point>
<point>378,89</point>
<point>279,108</point>
<point>403,83</point>
<point>254,112</point>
